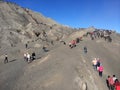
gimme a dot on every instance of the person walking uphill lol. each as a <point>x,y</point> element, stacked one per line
<point>111,83</point>
<point>6,59</point>
<point>107,82</point>
<point>94,62</point>
<point>117,84</point>
<point>100,69</point>
<point>85,49</point>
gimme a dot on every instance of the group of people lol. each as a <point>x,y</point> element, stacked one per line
<point>74,42</point>
<point>105,34</point>
<point>97,65</point>
<point>29,58</point>
<point>113,83</point>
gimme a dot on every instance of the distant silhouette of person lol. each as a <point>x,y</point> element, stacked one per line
<point>28,58</point>
<point>77,40</point>
<point>98,63</point>
<point>26,45</point>
<point>45,49</point>
<point>25,56</point>
<point>107,82</point>
<point>52,42</point>
<point>33,56</point>
<point>72,44</point>
<point>6,59</point>
<point>85,49</point>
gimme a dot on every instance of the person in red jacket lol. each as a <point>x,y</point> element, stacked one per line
<point>111,82</point>
<point>117,84</point>
<point>100,69</point>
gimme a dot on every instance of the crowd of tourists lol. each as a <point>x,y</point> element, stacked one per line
<point>105,34</point>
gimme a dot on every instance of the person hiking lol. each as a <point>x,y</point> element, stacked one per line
<point>52,43</point>
<point>77,40</point>
<point>73,42</point>
<point>28,58</point>
<point>100,70</point>
<point>33,56</point>
<point>85,49</point>
<point>26,45</point>
<point>117,84</point>
<point>6,59</point>
<point>107,82</point>
<point>94,62</point>
<point>44,48</point>
<point>114,78</point>
<point>98,63</point>
<point>25,56</point>
<point>111,82</point>
<point>70,45</point>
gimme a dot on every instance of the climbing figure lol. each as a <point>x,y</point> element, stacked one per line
<point>107,82</point>
<point>98,63</point>
<point>44,33</point>
<point>33,56</point>
<point>45,49</point>
<point>52,43</point>
<point>111,82</point>
<point>6,59</point>
<point>85,49</point>
<point>25,56</point>
<point>100,69</point>
<point>117,84</point>
<point>77,40</point>
<point>94,62</point>
<point>73,43</point>
<point>26,45</point>
<point>28,58</point>
<point>70,45</point>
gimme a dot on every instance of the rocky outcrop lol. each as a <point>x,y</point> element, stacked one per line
<point>20,25</point>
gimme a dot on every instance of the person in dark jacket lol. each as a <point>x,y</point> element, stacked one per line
<point>6,59</point>
<point>33,56</point>
<point>107,82</point>
<point>85,49</point>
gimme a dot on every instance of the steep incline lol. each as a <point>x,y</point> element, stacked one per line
<point>19,25</point>
<point>63,68</point>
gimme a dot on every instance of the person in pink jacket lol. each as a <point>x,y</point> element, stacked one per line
<point>100,69</point>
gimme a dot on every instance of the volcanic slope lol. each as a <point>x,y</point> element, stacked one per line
<point>62,68</point>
